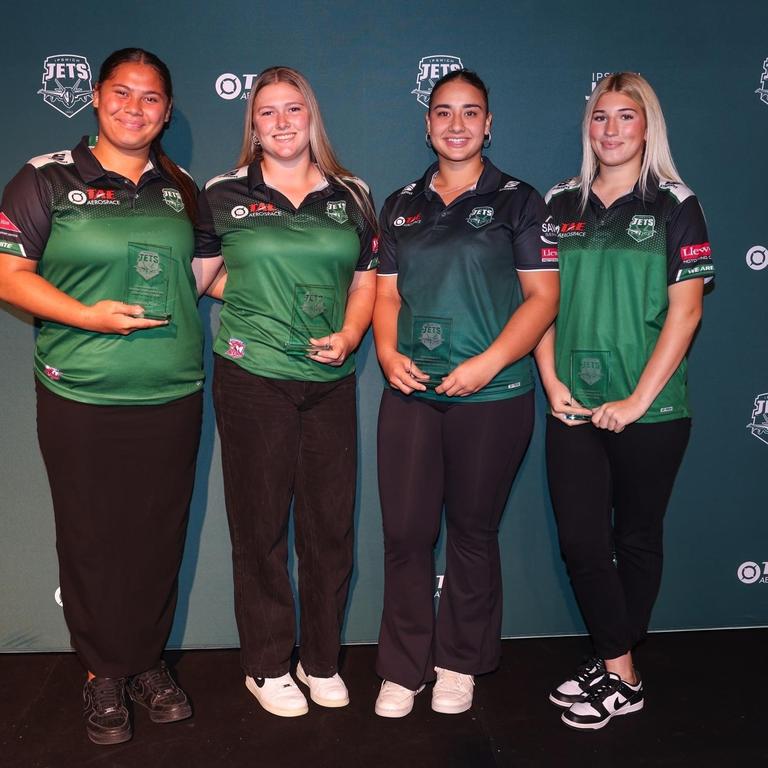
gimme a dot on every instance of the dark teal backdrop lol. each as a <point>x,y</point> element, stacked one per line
<point>708,63</point>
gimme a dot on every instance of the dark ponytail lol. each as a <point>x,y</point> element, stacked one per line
<point>139,56</point>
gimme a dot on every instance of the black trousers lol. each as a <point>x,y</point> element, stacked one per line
<point>121,480</point>
<point>282,440</point>
<point>610,492</point>
<point>464,456</point>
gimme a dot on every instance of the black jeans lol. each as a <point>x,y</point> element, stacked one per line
<point>282,440</point>
<point>463,455</point>
<point>610,492</point>
<point>121,480</point>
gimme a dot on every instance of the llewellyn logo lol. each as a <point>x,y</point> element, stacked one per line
<point>431,69</point>
<point>230,87</point>
<point>753,573</point>
<point>67,83</point>
<point>759,424</point>
<point>762,91</point>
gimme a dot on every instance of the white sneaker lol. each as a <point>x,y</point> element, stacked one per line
<point>453,692</point>
<point>325,691</point>
<point>394,700</point>
<point>278,695</point>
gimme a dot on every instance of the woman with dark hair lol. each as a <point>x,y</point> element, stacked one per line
<point>465,290</point>
<point>295,231</point>
<point>97,243</point>
<point>634,256</point>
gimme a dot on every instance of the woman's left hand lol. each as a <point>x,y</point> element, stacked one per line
<point>468,377</point>
<point>614,416</point>
<point>333,349</point>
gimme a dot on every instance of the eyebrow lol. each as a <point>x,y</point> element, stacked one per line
<point>463,106</point>
<point>620,109</point>
<point>129,88</point>
<point>285,104</point>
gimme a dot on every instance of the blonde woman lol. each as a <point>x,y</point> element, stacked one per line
<point>634,256</point>
<point>295,231</point>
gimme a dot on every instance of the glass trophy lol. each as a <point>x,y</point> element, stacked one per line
<point>150,279</point>
<point>431,347</point>
<point>590,376</point>
<point>312,316</point>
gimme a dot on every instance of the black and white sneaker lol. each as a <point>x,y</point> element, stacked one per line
<point>607,696</point>
<point>575,688</point>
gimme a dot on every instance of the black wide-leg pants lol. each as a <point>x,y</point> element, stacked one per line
<point>464,456</point>
<point>121,479</point>
<point>610,492</point>
<point>282,440</point>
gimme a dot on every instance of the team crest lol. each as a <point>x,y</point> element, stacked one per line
<point>431,69</point>
<point>642,227</point>
<point>762,91</point>
<point>337,210</point>
<point>67,83</point>
<point>172,198</point>
<point>591,370</point>
<point>431,335</point>
<point>313,304</point>
<point>759,424</point>
<point>148,264</point>
<point>479,217</point>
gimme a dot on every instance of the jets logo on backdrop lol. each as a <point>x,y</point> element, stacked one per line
<point>762,91</point>
<point>642,227</point>
<point>337,210</point>
<point>67,83</point>
<point>759,424</point>
<point>229,86</point>
<point>481,216</point>
<point>431,69</point>
<point>172,198</point>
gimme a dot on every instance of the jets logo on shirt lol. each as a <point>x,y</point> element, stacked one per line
<point>337,210</point>
<point>172,198</point>
<point>479,217</point>
<point>67,83</point>
<point>642,227</point>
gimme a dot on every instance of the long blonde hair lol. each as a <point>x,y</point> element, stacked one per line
<point>320,149</point>
<point>657,158</point>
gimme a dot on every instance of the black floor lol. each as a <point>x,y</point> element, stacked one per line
<point>706,705</point>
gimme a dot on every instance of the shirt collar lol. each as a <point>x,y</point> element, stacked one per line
<point>489,180</point>
<point>90,169</point>
<point>651,193</point>
<point>256,182</point>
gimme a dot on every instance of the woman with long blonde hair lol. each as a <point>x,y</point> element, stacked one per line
<point>295,231</point>
<point>634,255</point>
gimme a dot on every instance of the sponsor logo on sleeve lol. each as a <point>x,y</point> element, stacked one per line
<point>17,249</point>
<point>67,83</point>
<point>762,91</point>
<point>758,427</point>
<point>757,257</point>
<point>230,87</point>
<point>549,255</point>
<point>6,225</point>
<point>235,348</point>
<point>431,69</point>
<point>706,270</point>
<point>374,245</point>
<point>509,186</point>
<point>407,221</point>
<point>549,232</point>
<point>695,252</point>
<point>408,189</point>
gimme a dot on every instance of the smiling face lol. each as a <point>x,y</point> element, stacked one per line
<point>132,107</point>
<point>458,120</point>
<point>281,122</point>
<point>618,130</point>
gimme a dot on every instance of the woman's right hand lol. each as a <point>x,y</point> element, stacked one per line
<point>564,407</point>
<point>108,316</point>
<point>401,373</point>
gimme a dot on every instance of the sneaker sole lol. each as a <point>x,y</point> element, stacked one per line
<point>254,689</point>
<point>181,713</point>
<point>602,723</point>
<point>319,701</point>
<point>451,710</point>
<point>562,704</point>
<point>109,738</point>
<point>393,713</point>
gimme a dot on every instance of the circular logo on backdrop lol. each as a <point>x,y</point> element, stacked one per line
<point>77,197</point>
<point>749,572</point>
<point>228,86</point>
<point>757,257</point>
<point>57,597</point>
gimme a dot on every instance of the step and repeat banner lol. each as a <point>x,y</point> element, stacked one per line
<point>372,66</point>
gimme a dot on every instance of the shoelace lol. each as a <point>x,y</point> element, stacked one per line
<point>457,681</point>
<point>587,669</point>
<point>159,681</point>
<point>107,695</point>
<point>605,684</point>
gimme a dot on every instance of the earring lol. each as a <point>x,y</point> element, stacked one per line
<point>487,140</point>
<point>255,140</point>
<point>428,140</point>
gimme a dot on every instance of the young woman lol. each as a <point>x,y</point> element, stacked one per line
<point>634,256</point>
<point>296,233</point>
<point>98,243</point>
<point>465,290</point>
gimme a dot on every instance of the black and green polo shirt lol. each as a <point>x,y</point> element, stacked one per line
<point>456,269</point>
<point>97,235</point>
<point>288,269</point>
<point>615,268</point>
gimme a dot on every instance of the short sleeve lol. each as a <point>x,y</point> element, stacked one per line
<point>387,245</point>
<point>207,242</point>
<point>369,243</point>
<point>25,215</point>
<point>689,254</point>
<point>533,252</point>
